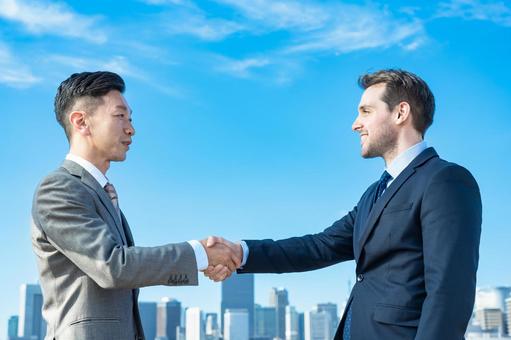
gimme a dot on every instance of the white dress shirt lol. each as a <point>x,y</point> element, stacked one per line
<point>201,256</point>
<point>394,169</point>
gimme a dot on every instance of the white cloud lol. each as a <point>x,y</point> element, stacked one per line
<point>199,26</point>
<point>41,17</point>
<point>12,72</point>
<point>281,14</point>
<point>497,12</point>
<point>330,27</point>
<point>117,64</point>
<point>241,68</point>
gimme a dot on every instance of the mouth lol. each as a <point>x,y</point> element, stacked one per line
<point>363,137</point>
<point>126,144</point>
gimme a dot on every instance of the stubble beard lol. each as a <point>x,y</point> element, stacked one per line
<point>384,144</point>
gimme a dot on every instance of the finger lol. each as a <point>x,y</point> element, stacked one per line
<point>212,240</point>
<point>225,272</point>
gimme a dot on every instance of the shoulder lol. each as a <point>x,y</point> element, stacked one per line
<point>59,183</point>
<point>444,171</point>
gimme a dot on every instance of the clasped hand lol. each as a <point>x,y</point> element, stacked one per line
<point>224,257</point>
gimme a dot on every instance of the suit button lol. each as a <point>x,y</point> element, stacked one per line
<point>360,278</point>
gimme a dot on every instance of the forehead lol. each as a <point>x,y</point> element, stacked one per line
<point>372,95</point>
<point>114,100</point>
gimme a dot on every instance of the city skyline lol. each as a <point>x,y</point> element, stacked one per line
<point>243,117</point>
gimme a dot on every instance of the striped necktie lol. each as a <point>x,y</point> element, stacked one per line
<point>110,190</point>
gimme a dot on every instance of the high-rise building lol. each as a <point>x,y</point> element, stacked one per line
<point>317,325</point>
<point>238,293</point>
<point>508,314</point>
<point>180,332</point>
<point>168,318</point>
<point>194,324</point>
<point>12,328</point>
<point>264,322</point>
<point>301,323</point>
<point>490,319</point>
<point>292,324</point>
<point>491,297</point>
<point>236,324</point>
<point>31,324</point>
<point>212,330</point>
<point>148,318</point>
<point>330,308</point>
<point>279,299</point>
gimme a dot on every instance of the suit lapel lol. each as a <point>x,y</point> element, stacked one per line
<point>87,179</point>
<point>394,187</point>
<point>127,231</point>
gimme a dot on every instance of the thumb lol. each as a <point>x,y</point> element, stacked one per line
<point>212,240</point>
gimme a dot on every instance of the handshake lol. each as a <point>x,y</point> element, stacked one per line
<point>224,257</point>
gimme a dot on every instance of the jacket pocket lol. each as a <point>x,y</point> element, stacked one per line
<point>396,315</point>
<point>396,208</point>
<point>93,328</point>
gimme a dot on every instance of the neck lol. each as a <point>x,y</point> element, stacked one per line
<point>85,153</point>
<point>401,146</point>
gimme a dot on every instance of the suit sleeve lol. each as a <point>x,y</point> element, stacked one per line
<point>451,228</point>
<point>65,212</point>
<point>298,254</point>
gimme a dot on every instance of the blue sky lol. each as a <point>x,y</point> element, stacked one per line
<point>243,111</point>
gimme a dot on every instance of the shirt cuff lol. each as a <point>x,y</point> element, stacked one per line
<point>201,257</point>
<point>245,252</point>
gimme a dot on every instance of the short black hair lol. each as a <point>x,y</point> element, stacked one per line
<point>404,86</point>
<point>89,85</point>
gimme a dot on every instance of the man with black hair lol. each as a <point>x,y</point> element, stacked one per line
<point>90,270</point>
<point>414,234</point>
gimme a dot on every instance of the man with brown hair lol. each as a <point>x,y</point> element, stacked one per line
<point>414,234</point>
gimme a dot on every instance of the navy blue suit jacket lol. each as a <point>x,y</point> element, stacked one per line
<point>416,258</point>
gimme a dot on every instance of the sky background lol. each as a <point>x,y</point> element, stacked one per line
<point>243,113</point>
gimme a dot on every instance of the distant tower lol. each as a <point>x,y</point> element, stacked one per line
<point>317,326</point>
<point>31,324</point>
<point>236,324</point>
<point>168,318</point>
<point>148,318</point>
<point>330,308</point>
<point>279,300</point>
<point>238,293</point>
<point>264,322</point>
<point>12,328</point>
<point>292,324</point>
<point>194,324</point>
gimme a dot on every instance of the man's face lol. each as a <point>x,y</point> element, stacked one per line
<point>378,136</point>
<point>110,128</point>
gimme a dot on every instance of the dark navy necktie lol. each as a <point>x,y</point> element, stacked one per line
<point>382,185</point>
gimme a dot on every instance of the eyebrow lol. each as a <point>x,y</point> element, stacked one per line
<point>123,107</point>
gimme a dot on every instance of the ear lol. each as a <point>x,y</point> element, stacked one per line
<point>402,113</point>
<point>79,123</point>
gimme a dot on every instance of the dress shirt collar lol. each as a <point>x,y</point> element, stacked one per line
<point>90,168</point>
<point>404,159</point>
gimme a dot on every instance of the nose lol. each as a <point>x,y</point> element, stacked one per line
<point>130,130</point>
<point>356,126</point>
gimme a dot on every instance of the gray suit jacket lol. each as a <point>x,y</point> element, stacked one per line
<point>89,267</point>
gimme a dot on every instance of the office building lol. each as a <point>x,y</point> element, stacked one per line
<point>279,300</point>
<point>292,324</point>
<point>12,328</point>
<point>264,322</point>
<point>31,324</point>
<point>168,317</point>
<point>508,315</point>
<point>238,293</point>
<point>148,318</point>
<point>318,325</point>
<point>194,324</point>
<point>212,329</point>
<point>492,298</point>
<point>236,324</point>
<point>490,319</point>
<point>330,308</point>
